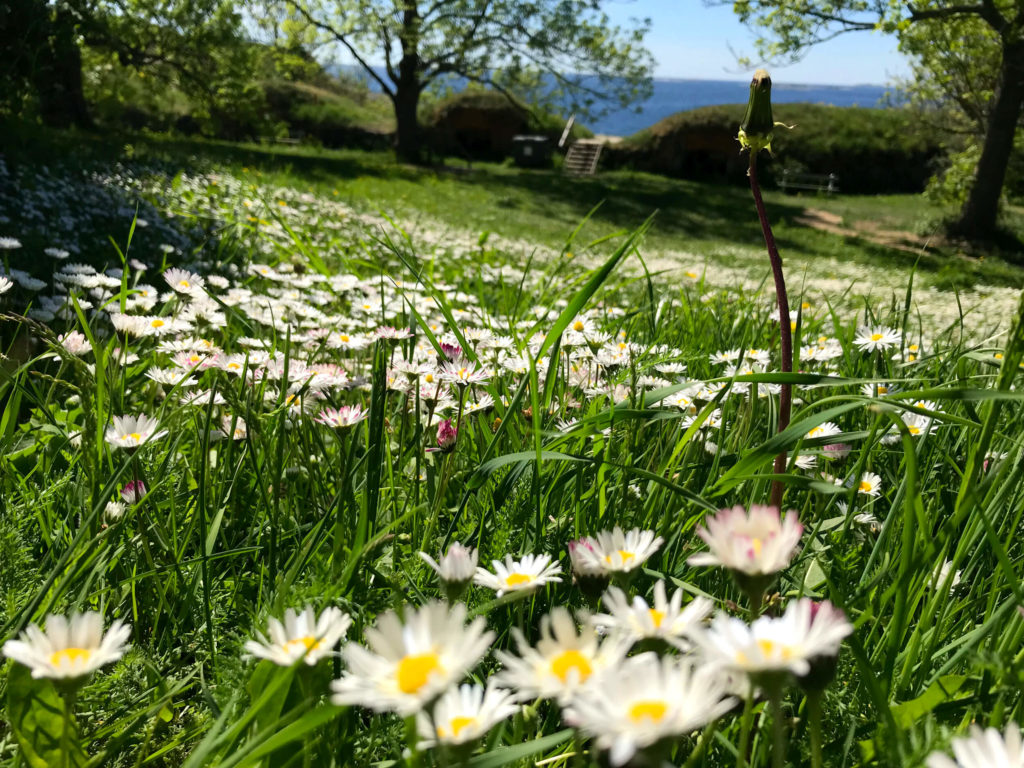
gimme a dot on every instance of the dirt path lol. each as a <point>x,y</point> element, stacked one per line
<point>866,230</point>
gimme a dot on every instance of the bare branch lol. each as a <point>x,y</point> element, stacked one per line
<point>351,49</point>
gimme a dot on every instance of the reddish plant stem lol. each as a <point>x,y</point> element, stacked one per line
<point>785,328</point>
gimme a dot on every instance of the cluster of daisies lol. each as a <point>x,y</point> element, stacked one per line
<point>635,679</point>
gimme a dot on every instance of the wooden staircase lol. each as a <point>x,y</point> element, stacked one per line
<point>582,157</point>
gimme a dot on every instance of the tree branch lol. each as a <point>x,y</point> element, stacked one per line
<point>351,49</point>
<point>985,10</point>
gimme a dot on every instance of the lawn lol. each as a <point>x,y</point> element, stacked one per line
<point>299,443</point>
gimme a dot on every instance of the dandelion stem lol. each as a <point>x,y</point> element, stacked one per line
<point>785,329</point>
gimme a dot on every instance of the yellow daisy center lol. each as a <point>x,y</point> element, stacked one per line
<point>756,545</point>
<point>429,378</point>
<point>455,726</point>
<point>865,486</point>
<point>184,284</point>
<point>623,554</point>
<point>567,661</point>
<point>518,579</point>
<point>876,337</point>
<point>70,656</point>
<point>234,366</point>
<point>414,671</point>
<point>914,429</point>
<point>133,436</point>
<point>656,616</point>
<point>344,339</point>
<point>692,275</point>
<point>653,711</point>
<point>307,643</point>
<point>158,323</point>
<point>578,326</point>
<point>770,647</point>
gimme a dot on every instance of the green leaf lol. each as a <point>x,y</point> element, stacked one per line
<point>486,469</point>
<point>37,717</point>
<point>946,688</point>
<point>506,755</point>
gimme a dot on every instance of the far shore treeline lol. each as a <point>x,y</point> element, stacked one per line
<point>294,100</point>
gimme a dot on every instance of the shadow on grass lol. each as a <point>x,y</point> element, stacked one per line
<point>687,210</point>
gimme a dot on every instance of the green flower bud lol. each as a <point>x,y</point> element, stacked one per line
<point>758,124</point>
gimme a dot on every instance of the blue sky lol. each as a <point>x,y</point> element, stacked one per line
<point>690,39</point>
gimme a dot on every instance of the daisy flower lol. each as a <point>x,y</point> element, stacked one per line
<point>74,343</point>
<point>822,430</point>
<point>983,749</point>
<point>561,661</point>
<point>530,573</point>
<point>665,620</point>
<point>464,714</point>
<point>411,660</point>
<point>462,373</point>
<point>615,552</point>
<point>133,431</point>
<point>878,389</point>
<point>870,484</point>
<point>70,648</point>
<point>346,416</point>
<point>183,281</point>
<point>758,542</point>
<point>876,337</point>
<point>302,636</point>
<point>787,644</point>
<point>5,285</point>
<point>647,700</point>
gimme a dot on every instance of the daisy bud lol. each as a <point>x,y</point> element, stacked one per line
<point>589,576</point>
<point>835,451</point>
<point>825,618</point>
<point>114,511</point>
<point>757,126</point>
<point>451,351</point>
<point>133,491</point>
<point>455,569</point>
<point>447,434</point>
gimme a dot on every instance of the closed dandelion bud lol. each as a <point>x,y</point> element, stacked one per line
<point>757,126</point>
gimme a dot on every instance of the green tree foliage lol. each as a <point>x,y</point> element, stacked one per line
<point>970,53</point>
<point>529,48</point>
<point>195,46</point>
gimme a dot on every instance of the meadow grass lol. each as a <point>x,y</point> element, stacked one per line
<point>587,393</point>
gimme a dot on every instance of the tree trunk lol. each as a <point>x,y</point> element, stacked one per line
<point>408,88</point>
<point>57,76</point>
<point>407,102</point>
<point>978,218</point>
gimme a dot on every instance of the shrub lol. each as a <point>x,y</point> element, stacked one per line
<point>480,124</point>
<point>871,150</point>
